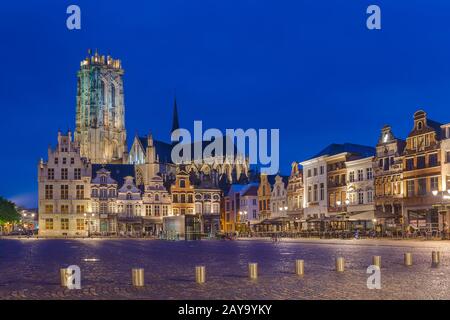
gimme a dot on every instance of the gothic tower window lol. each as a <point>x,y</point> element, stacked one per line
<point>113,96</point>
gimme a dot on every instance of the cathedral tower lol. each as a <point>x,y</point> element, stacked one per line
<point>100,120</point>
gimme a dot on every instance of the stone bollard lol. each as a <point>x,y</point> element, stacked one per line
<point>408,259</point>
<point>340,264</point>
<point>137,276</point>
<point>253,270</point>
<point>435,258</point>
<point>64,277</point>
<point>376,261</point>
<point>200,274</point>
<point>299,267</point>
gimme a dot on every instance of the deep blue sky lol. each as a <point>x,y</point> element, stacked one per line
<point>309,68</point>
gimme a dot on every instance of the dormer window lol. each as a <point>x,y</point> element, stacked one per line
<point>102,179</point>
<point>419,125</point>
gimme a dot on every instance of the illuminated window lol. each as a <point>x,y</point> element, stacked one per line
<point>80,224</point>
<point>48,191</point>
<point>49,224</point>
<point>48,208</point>
<point>64,191</point>
<point>434,183</point>
<point>80,209</point>
<point>65,208</point>
<point>80,191</point>
<point>64,224</point>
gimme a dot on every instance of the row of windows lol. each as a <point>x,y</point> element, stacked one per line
<point>245,201</point>
<point>421,162</point>
<point>360,197</point>
<point>316,171</point>
<point>206,208</point>
<point>263,205</point>
<point>314,194</point>
<point>181,198</point>
<point>64,192</point>
<point>64,174</point>
<point>49,208</point>
<point>419,186</point>
<point>64,160</point>
<point>388,188</point>
<point>360,175</point>
<point>80,224</point>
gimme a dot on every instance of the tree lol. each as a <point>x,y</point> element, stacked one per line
<point>8,211</point>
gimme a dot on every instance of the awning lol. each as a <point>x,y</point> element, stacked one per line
<point>366,215</point>
<point>383,215</point>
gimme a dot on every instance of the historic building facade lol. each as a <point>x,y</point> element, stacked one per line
<point>207,207</point>
<point>295,196</point>
<point>64,182</point>
<point>104,204</point>
<point>264,192</point>
<point>278,197</point>
<point>315,187</point>
<point>360,188</point>
<point>388,175</point>
<point>422,171</point>
<point>325,182</point>
<point>241,207</point>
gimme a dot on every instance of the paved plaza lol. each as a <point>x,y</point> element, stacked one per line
<point>30,269</point>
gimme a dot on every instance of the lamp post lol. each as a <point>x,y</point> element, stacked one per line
<point>442,207</point>
<point>343,207</point>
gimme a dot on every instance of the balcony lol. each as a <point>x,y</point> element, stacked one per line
<point>332,184</point>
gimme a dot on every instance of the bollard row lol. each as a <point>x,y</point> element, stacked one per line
<point>137,274</point>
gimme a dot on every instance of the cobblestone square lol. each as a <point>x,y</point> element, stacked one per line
<point>30,269</point>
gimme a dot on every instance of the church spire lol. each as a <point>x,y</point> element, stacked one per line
<point>175,123</point>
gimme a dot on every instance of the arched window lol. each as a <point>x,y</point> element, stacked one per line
<point>129,196</point>
<point>419,125</point>
<point>102,91</point>
<point>113,96</point>
<point>156,197</point>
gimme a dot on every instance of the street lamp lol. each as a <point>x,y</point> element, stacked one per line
<point>442,208</point>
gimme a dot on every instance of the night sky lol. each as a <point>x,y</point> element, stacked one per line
<point>310,68</point>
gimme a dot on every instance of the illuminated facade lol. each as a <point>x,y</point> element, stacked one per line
<point>388,175</point>
<point>422,172</point>
<point>100,115</point>
<point>64,183</point>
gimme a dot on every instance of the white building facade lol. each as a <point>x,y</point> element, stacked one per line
<point>360,187</point>
<point>315,187</point>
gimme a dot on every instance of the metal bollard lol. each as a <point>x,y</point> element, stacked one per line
<point>253,270</point>
<point>64,277</point>
<point>340,264</point>
<point>200,274</point>
<point>137,276</point>
<point>408,259</point>
<point>435,258</point>
<point>376,261</point>
<point>299,267</point>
